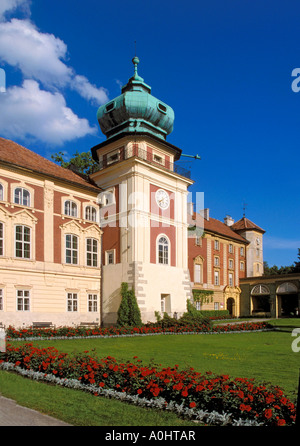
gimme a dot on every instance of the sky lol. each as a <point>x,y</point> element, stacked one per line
<point>229,69</point>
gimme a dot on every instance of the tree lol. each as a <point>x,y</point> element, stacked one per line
<point>129,312</point>
<point>81,163</point>
<point>296,267</point>
<point>123,311</point>
<point>274,270</point>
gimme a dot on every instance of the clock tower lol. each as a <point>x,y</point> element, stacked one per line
<point>143,204</point>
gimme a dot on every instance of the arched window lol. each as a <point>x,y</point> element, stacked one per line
<point>90,213</point>
<point>163,250</point>
<point>22,196</point>
<point>70,208</point>
<point>1,192</point>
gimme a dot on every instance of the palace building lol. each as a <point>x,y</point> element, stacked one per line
<point>68,242</point>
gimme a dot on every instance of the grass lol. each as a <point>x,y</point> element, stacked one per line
<point>81,409</point>
<point>266,356</point>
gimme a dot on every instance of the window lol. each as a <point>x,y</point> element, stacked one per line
<point>230,279</point>
<point>242,266</point>
<point>72,249</point>
<point>230,263</point>
<point>91,252</point>
<point>92,303</point>
<point>217,278</point>
<point>217,245</point>
<point>23,300</point>
<point>163,250</point>
<point>216,305</point>
<point>242,251</point>
<point>23,236</point>
<point>22,196</point>
<point>72,302</point>
<point>1,299</point>
<point>198,305</point>
<point>257,252</point>
<point>90,213</point>
<point>257,268</point>
<point>230,248</point>
<point>216,261</point>
<point>110,257</point>
<point>1,192</point>
<point>162,304</point>
<point>70,208</point>
<point>157,159</point>
<point>1,239</point>
<point>197,273</point>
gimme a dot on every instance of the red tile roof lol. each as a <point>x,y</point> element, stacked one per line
<point>244,224</point>
<point>13,153</point>
<point>218,227</point>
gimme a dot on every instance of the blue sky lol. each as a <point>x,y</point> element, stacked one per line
<point>225,67</point>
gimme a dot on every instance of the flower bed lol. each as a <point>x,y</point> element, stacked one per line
<point>148,329</point>
<point>201,396</point>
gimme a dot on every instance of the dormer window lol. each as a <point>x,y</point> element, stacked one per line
<point>90,213</point>
<point>162,107</point>
<point>70,208</point>
<point>110,107</point>
<point>22,196</point>
<point>113,158</point>
<point>158,159</point>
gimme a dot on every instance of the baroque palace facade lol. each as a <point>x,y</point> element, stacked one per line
<point>68,242</point>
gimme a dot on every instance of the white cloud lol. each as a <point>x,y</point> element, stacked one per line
<point>28,111</point>
<point>38,55</point>
<point>89,91</point>
<point>11,5</point>
<point>42,57</point>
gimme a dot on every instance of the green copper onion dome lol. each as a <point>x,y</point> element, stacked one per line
<point>136,111</point>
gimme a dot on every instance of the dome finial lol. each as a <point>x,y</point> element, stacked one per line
<point>135,62</point>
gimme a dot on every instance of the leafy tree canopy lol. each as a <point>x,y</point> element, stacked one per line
<point>81,163</point>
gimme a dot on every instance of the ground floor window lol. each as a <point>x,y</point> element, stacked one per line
<point>72,302</point>
<point>93,302</point>
<point>23,300</point>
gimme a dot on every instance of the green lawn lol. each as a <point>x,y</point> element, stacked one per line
<point>266,356</point>
<point>81,409</point>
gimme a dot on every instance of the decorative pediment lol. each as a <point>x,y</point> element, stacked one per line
<point>232,290</point>
<point>199,259</point>
<point>93,231</point>
<point>24,217</point>
<point>72,226</point>
<point>4,213</point>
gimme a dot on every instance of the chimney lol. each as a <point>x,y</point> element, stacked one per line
<point>206,214</point>
<point>190,208</point>
<point>228,220</point>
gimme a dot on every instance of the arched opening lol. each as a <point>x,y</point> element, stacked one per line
<point>260,296</point>
<point>287,299</point>
<point>230,305</point>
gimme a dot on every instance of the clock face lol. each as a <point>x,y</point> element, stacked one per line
<point>162,199</point>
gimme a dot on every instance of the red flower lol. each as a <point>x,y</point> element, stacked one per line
<point>192,404</point>
<point>184,393</point>
<point>101,384</point>
<point>139,391</point>
<point>268,413</point>
<point>281,423</point>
